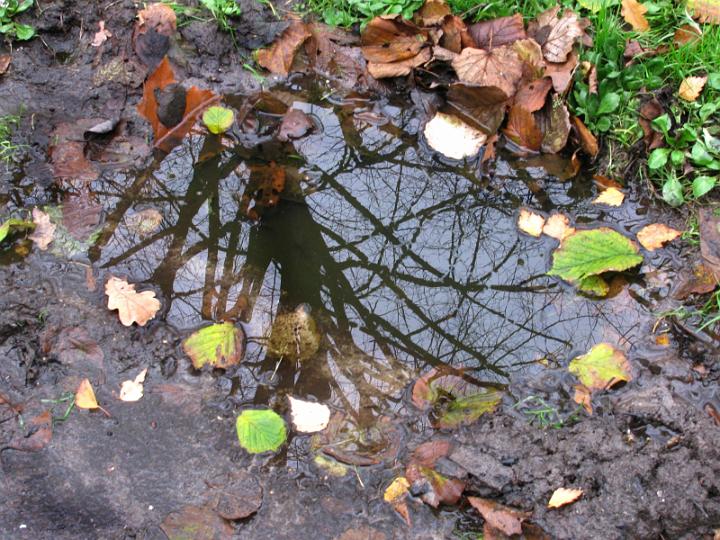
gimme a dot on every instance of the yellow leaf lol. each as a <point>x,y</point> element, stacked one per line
<point>397,490</point>
<point>563,496</point>
<point>691,87</point>
<point>132,306</point>
<point>558,226</point>
<point>85,396</point>
<point>654,236</point>
<point>634,14</point>
<point>611,196</point>
<point>530,223</point>
<point>582,397</point>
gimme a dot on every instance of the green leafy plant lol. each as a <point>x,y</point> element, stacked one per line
<point>8,149</point>
<point>14,224</point>
<point>221,11</point>
<point>349,12</point>
<point>543,414</point>
<point>260,430</point>
<point>10,28</point>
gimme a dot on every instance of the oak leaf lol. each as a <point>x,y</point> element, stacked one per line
<point>278,58</point>
<point>634,14</point>
<point>44,229</point>
<point>654,236</point>
<point>132,306</point>
<point>500,67</point>
<point>692,87</point>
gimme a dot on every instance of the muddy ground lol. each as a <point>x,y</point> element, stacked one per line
<point>648,459</point>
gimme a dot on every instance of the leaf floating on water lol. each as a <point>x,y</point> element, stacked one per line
<point>594,285</point>
<point>601,368</point>
<point>692,87</point>
<point>592,252</point>
<point>219,345</point>
<point>558,226</point>
<point>634,14</point>
<point>307,416</point>
<point>218,119</point>
<point>133,390</point>
<point>295,124</point>
<point>611,196</point>
<point>260,430</point>
<point>452,137</point>
<point>500,517</point>
<point>563,496</point>
<point>132,306</point>
<point>531,223</point>
<point>654,236</point>
<point>44,229</point>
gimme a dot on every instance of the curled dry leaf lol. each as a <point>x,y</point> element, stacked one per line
<point>654,236</point>
<point>557,34</point>
<point>452,137</point>
<point>500,67</point>
<point>503,518</point>
<point>611,196</point>
<point>307,416</point>
<point>133,390</point>
<point>554,122</point>
<point>709,225</point>
<point>558,226</point>
<point>522,129</point>
<point>44,229</point>
<point>692,87</point>
<point>132,306</point>
<point>278,58</point>
<point>498,32</point>
<point>531,223</point>
<point>563,496</point>
<point>634,14</point>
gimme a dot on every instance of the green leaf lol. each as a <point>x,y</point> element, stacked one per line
<point>662,123</point>
<point>260,430</point>
<point>14,224</point>
<point>594,285</point>
<point>703,184</point>
<point>609,103</point>
<point>592,252</point>
<point>672,192</point>
<point>220,345</point>
<point>466,410</point>
<point>677,157</point>
<point>602,367</point>
<point>700,155</point>
<point>24,31</point>
<point>658,158</point>
<point>218,119</point>
<point>714,81</point>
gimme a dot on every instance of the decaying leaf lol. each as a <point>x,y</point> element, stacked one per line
<point>563,496</point>
<point>532,95</point>
<point>132,306</point>
<point>601,368</point>
<point>558,226</point>
<point>44,229</point>
<point>347,442</point>
<point>219,345</point>
<point>278,58</point>
<point>85,396</point>
<point>531,55</point>
<point>687,33</point>
<point>588,141</point>
<point>530,222</point>
<point>75,347</point>
<point>432,13</point>
<point>503,518</point>
<point>479,106</point>
<point>634,14</point>
<point>434,488</point>
<point>692,87</point>
<point>498,32</point>
<point>452,137</point>
<point>562,74</point>
<point>38,435</point>
<point>654,236</point>
<point>428,453</point>
<point>500,67</point>
<point>145,221</point>
<point>395,495</point>
<point>386,41</point>
<point>705,11</point>
<point>699,279</point>
<point>556,33</point>
<point>554,122</point>
<point>260,430</point>
<point>132,390</point>
<point>307,416</point>
<point>522,129</point>
<point>295,124</point>
<point>101,36</point>
<point>610,196</point>
<point>5,60</point>
<point>155,25</point>
<point>196,522</point>
<point>400,68</point>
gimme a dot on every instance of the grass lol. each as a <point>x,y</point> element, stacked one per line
<point>9,150</point>
<point>544,415</point>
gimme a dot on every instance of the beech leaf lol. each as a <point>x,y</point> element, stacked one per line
<point>218,119</point>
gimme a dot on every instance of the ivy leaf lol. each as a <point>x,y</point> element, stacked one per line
<point>602,367</point>
<point>592,252</point>
<point>260,430</point>
<point>218,119</point>
<point>220,345</point>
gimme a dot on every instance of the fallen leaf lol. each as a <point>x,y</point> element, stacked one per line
<point>497,32</point>
<point>556,34</point>
<point>604,182</point>
<point>705,11</point>
<point>611,196</point>
<point>709,225</point>
<point>455,35</point>
<point>391,40</point>
<point>44,229</point>
<point>85,396</point>
<point>432,13</point>
<point>452,137</point>
<point>145,221</point>
<point>532,95</point>
<point>530,222</point>
<point>588,141</point>
<point>531,56</point>
<point>133,390</point>
<point>558,226</point>
<point>238,497</point>
<point>80,215</point>
<point>75,347</point>
<point>151,38</point>
<point>307,416</point>
<point>700,279</point>
<point>38,436</point>
<point>295,124</point>
<point>218,119</point>
<point>500,67</point>
<point>5,60</point>
<point>132,306</point>
<point>195,522</point>
<point>428,453</point>
<point>395,495</point>
<point>692,87</point>
<point>634,14</point>
<point>479,106</point>
<point>583,397</point>
<point>400,68</point>
<point>687,33</point>
<point>346,441</point>
<point>554,122</point>
<point>649,111</point>
<point>219,345</point>
<point>503,518</point>
<point>562,74</point>
<point>563,496</point>
<point>522,129</point>
<point>601,368</point>
<point>654,236</point>
<point>101,36</point>
<point>260,430</point>
<point>434,488</point>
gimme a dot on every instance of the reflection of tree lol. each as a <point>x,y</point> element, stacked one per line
<point>403,266</point>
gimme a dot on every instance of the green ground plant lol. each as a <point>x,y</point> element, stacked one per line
<point>222,11</point>
<point>9,150</point>
<point>8,27</point>
<point>349,12</point>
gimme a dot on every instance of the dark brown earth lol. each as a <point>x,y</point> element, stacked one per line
<point>648,460</point>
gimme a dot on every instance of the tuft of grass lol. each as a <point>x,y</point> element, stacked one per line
<point>9,151</point>
<point>544,415</point>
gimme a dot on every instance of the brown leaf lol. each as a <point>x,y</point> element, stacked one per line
<point>44,229</point>
<point>132,306</point>
<point>611,197</point>
<point>687,33</point>
<point>556,34</point>
<point>428,453</point>
<point>400,68</point>
<point>531,55</point>
<point>634,14</point>
<point>583,397</point>
<point>649,111</point>
<point>562,74</point>
<point>5,60</point>
<point>563,496</point>
<point>500,67</point>
<point>162,77</point>
<point>498,32</point>
<point>196,522</point>
<point>554,122</point>
<point>389,40</point>
<point>151,38</point>
<point>278,58</point>
<point>455,35</point>
<point>67,153</point>
<point>604,182</point>
<point>75,347</point>
<point>237,497</point>
<point>522,129</point>
<point>498,516</point>
<point>435,488</point>
<point>698,280</point>
<point>654,236</point>
<point>431,13</point>
<point>160,17</point>
<point>38,436</point>
<point>532,95</point>
<point>710,239</point>
<point>692,87</point>
<point>81,216</point>
<point>295,124</point>
<point>482,106</point>
<point>587,140</point>
<point>705,11</point>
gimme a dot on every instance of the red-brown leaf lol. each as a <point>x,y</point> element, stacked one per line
<point>482,106</point>
<point>278,58</point>
<point>498,32</point>
<point>587,140</point>
<point>500,67</point>
<point>389,40</point>
<point>505,519</point>
<point>522,129</point>
<point>532,95</point>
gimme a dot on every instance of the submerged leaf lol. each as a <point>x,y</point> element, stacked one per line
<point>594,285</point>
<point>602,367</point>
<point>44,229</point>
<point>260,430</point>
<point>219,345</point>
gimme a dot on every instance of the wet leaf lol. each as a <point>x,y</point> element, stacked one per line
<point>397,491</point>
<point>583,397</point>
<point>14,224</point>
<point>218,345</point>
<point>558,226</point>
<point>145,221</point>
<point>698,280</point>
<point>434,488</point>
<point>530,223</point>
<point>692,87</point>
<point>5,60</point>
<point>634,14</point>
<point>610,196</point>
<point>307,416</point>
<point>350,443</point>
<point>455,35</point>
<point>101,36</point>
<point>592,252</point>
<point>705,11</point>
<point>563,496</point>
<point>218,119</point>
<point>522,129</point>
<point>238,497</point>
<point>38,436</point>
<point>260,430</point>
<point>400,68</point>
<point>556,34</point>
<point>133,390</point>
<point>594,285</point>
<point>498,32</point>
<point>428,453</point>
<point>588,141</point>
<point>386,41</point>
<point>195,522</point>
<point>531,55</point>
<point>500,67</point>
<point>503,518</point>
<point>532,95</point>
<point>294,335</point>
<point>562,74</point>
<point>295,124</point>
<point>76,347</point>
<point>601,368</point>
<point>654,236</point>
<point>132,306</point>
<point>155,25</point>
<point>554,122</point>
<point>44,229</point>
<point>85,396</point>
<point>480,106</point>
<point>709,224</point>
<point>432,13</point>
<point>80,215</point>
<point>452,137</point>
